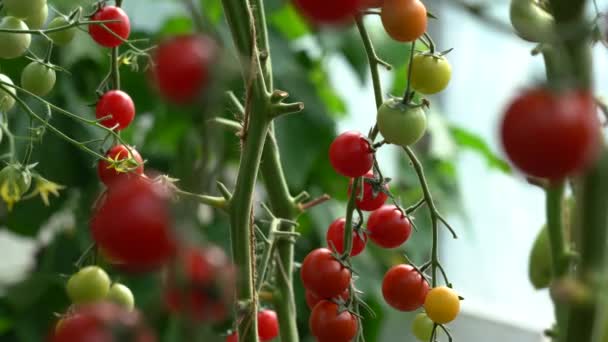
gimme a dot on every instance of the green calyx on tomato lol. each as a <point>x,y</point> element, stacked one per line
<point>38,78</point>
<point>431,73</point>
<point>13,45</point>
<point>63,37</point>
<point>531,21</point>
<point>7,101</point>
<point>89,284</point>
<point>401,124</point>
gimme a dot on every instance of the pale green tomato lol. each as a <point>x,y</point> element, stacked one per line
<point>90,284</point>
<point>540,264</point>
<point>422,327</point>
<point>24,8</point>
<point>531,22</point>
<point>401,124</point>
<point>6,100</point>
<point>121,295</point>
<point>13,45</point>
<point>430,73</point>
<point>64,37</point>
<point>38,78</point>
<point>35,21</point>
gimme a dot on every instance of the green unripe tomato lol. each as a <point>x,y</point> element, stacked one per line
<point>90,284</point>
<point>121,295</point>
<point>430,73</point>
<point>17,180</point>
<point>422,327</point>
<point>539,270</point>
<point>401,124</point>
<point>6,100</point>
<point>38,78</point>
<point>63,37</point>
<point>531,22</point>
<point>35,21</point>
<point>24,8</point>
<point>13,45</point>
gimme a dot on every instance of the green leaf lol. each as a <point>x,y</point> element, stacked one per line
<point>289,23</point>
<point>212,9</point>
<point>472,141</point>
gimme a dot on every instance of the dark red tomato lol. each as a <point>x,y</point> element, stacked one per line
<point>371,3</point>
<point>234,337</point>
<point>322,274</point>
<point>312,299</point>
<point>335,238</point>
<point>551,135</point>
<point>182,67</point>
<point>111,174</point>
<point>369,202</point>
<point>388,227</point>
<point>201,284</point>
<point>122,28</point>
<point>351,155</point>
<point>404,288</point>
<point>118,106</point>
<point>102,322</point>
<point>268,325</point>
<point>327,324</point>
<point>132,224</point>
<point>333,12</point>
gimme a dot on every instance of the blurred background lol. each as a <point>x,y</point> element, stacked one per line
<point>495,212</point>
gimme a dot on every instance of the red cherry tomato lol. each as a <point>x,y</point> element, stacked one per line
<point>110,175</point>
<point>404,20</point>
<point>404,288</point>
<point>322,274</point>
<point>182,67</point>
<point>388,227</point>
<point>118,106</point>
<point>333,12</point>
<point>371,3</point>
<point>351,155</point>
<point>132,224</point>
<point>234,337</point>
<point>268,325</point>
<point>122,28</point>
<point>369,202</point>
<point>551,135</point>
<point>329,325</point>
<point>312,299</point>
<point>102,321</point>
<point>335,238</point>
<point>200,284</point>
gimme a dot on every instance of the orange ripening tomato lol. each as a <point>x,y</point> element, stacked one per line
<point>404,20</point>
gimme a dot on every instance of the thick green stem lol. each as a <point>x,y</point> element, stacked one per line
<point>555,227</point>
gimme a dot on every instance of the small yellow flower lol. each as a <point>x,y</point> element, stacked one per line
<point>15,180</point>
<point>44,187</point>
<point>10,193</point>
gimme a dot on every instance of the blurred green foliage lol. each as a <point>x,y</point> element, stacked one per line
<point>177,141</point>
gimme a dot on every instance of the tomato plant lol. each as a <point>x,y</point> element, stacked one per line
<point>13,45</point>
<point>401,124</point>
<point>107,36</point>
<point>388,227</point>
<point>431,73</point>
<point>128,164</point>
<point>117,108</point>
<point>551,134</point>
<point>322,274</point>
<point>404,288</point>
<point>374,195</point>
<point>89,284</point>
<point>329,324</point>
<point>351,155</point>
<point>442,305</point>
<point>404,20</point>
<point>335,238</point>
<point>38,78</point>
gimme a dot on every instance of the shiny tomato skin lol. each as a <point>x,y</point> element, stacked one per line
<point>132,224</point>
<point>182,67</point>
<point>351,155</point>
<point>328,325</point>
<point>442,305</point>
<point>551,135</point>
<point>122,28</point>
<point>388,227</point>
<point>322,274</point>
<point>268,325</point>
<point>312,299</point>
<point>335,238</point>
<point>404,288</point>
<point>335,12</point>
<point>109,175</point>
<point>120,108</point>
<point>368,202</point>
<point>404,20</point>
